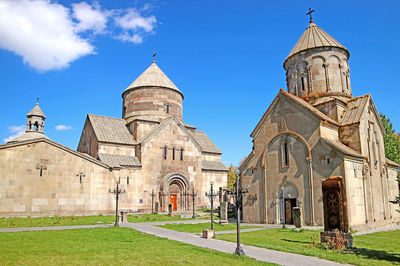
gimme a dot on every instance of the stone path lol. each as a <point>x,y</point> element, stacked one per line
<point>377,230</point>
<point>260,254</point>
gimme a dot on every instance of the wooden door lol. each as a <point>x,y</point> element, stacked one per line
<point>288,211</point>
<point>173,200</point>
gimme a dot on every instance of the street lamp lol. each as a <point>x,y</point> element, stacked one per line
<point>283,208</point>
<point>193,195</point>
<point>117,191</point>
<point>212,195</point>
<point>238,192</point>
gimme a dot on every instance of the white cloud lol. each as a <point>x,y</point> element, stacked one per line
<point>134,24</point>
<point>48,35</point>
<point>41,32</point>
<point>18,130</point>
<point>90,17</point>
<point>62,127</point>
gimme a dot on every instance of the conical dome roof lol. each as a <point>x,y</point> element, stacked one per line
<point>153,76</point>
<point>314,37</point>
<point>36,111</point>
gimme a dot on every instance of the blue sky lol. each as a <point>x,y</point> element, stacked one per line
<point>225,56</point>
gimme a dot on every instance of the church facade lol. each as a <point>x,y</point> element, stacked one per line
<point>315,130</point>
<point>157,159</point>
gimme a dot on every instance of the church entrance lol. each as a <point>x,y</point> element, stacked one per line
<point>173,200</point>
<point>289,205</point>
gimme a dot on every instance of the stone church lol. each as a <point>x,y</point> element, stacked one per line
<point>314,130</point>
<point>154,155</point>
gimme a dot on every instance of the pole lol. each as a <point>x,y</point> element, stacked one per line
<point>239,251</point>
<point>212,200</point>
<point>283,209</point>
<point>194,212</point>
<point>152,201</point>
<point>116,206</point>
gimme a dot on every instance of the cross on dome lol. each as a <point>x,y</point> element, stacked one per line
<point>310,11</point>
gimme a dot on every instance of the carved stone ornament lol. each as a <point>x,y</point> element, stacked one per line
<point>365,169</point>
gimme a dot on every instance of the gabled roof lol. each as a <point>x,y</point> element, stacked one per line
<point>29,136</point>
<point>205,142</point>
<point>163,124</point>
<point>213,166</point>
<point>57,145</point>
<point>354,110</point>
<point>297,100</point>
<point>314,37</point>
<point>153,76</point>
<point>36,111</point>
<point>343,148</point>
<point>114,160</point>
<point>110,129</point>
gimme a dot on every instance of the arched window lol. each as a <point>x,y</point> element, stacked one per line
<point>303,87</point>
<point>36,126</point>
<point>165,152</point>
<point>181,154</point>
<point>285,151</point>
<point>173,153</point>
<point>167,108</point>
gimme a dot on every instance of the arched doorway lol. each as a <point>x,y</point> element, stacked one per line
<point>177,188</point>
<point>288,198</point>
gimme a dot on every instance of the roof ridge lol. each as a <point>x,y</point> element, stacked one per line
<point>106,116</point>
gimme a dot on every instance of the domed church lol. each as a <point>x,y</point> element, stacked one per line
<point>315,130</point>
<point>156,157</point>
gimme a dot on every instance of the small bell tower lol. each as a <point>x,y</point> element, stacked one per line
<point>35,119</point>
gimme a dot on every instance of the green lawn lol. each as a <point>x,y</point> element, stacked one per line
<point>198,228</point>
<point>80,220</point>
<point>105,246</point>
<point>381,248</point>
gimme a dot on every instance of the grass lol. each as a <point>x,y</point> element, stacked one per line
<point>106,246</point>
<point>198,228</point>
<point>80,220</point>
<point>381,248</point>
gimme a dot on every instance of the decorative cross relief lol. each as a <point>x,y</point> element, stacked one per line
<point>41,167</point>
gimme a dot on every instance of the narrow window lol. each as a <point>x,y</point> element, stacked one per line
<point>80,178</point>
<point>375,159</point>
<point>167,108</point>
<point>127,180</point>
<point>173,153</point>
<point>181,154</point>
<point>165,153</point>
<point>41,171</point>
<point>347,82</point>
<point>328,161</point>
<point>285,154</point>
<point>303,88</point>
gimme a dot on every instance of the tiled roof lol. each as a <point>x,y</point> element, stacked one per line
<point>354,110</point>
<point>36,111</point>
<point>343,148</point>
<point>110,129</point>
<point>213,166</point>
<point>205,142</point>
<point>119,160</point>
<point>314,37</point>
<point>29,136</point>
<point>153,76</point>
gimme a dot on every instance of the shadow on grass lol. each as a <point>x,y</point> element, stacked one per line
<point>375,254</point>
<point>296,241</point>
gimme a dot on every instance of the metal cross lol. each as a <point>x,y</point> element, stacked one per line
<point>193,195</point>
<point>310,11</point>
<point>212,195</point>
<point>154,56</point>
<point>37,100</point>
<point>117,191</point>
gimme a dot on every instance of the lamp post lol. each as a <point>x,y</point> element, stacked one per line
<point>193,195</point>
<point>283,208</point>
<point>117,191</point>
<point>238,191</point>
<point>152,201</point>
<point>212,195</point>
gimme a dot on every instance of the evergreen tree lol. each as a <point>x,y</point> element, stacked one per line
<point>231,176</point>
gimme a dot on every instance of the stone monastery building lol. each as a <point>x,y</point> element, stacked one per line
<point>312,132</point>
<point>149,150</point>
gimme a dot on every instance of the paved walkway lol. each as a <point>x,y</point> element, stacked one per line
<point>260,254</point>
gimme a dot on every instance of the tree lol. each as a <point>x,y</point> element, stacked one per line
<point>231,176</point>
<point>392,146</point>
